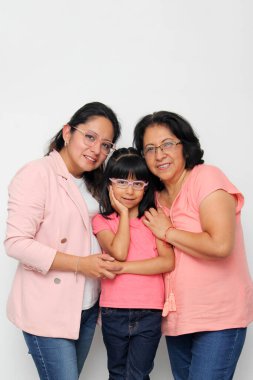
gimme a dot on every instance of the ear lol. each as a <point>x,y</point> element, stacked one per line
<point>66,133</point>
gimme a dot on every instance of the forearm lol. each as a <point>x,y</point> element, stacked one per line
<point>199,245</point>
<point>95,266</point>
<point>155,265</point>
<point>120,243</point>
<point>65,262</point>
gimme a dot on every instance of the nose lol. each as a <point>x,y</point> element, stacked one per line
<point>159,154</point>
<point>130,189</point>
<point>96,148</point>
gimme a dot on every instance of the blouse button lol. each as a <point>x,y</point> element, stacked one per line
<point>63,240</point>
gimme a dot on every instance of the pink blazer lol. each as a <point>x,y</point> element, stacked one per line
<point>46,213</point>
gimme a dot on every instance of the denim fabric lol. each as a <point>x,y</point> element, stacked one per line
<point>210,355</point>
<point>131,337</point>
<point>63,359</point>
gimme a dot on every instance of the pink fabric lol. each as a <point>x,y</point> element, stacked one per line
<point>209,294</point>
<point>46,213</point>
<point>130,290</point>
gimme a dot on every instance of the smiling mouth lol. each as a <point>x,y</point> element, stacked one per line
<point>90,158</point>
<point>163,166</point>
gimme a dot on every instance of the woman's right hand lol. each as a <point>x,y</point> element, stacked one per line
<point>99,266</point>
<point>157,222</point>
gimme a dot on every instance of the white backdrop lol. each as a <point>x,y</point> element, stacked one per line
<point>138,56</point>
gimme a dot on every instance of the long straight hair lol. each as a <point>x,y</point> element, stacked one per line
<point>93,179</point>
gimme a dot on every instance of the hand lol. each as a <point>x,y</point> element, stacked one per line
<point>99,266</point>
<point>118,207</point>
<point>157,222</point>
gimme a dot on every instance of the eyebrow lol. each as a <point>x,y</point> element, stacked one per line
<point>95,133</point>
<point>167,138</point>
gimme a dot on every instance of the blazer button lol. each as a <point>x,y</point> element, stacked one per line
<point>63,240</point>
<point>57,280</point>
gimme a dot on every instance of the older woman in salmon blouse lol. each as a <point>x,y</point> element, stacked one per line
<point>209,294</point>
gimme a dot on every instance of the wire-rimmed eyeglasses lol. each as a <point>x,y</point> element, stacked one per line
<point>166,146</point>
<point>91,138</point>
<point>124,183</point>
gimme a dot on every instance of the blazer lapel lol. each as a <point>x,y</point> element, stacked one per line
<point>69,186</point>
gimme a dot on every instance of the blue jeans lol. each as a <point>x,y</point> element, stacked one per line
<point>63,359</point>
<point>210,355</point>
<point>131,337</point>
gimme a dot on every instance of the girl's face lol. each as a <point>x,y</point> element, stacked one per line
<point>129,197</point>
<point>167,164</point>
<point>77,155</point>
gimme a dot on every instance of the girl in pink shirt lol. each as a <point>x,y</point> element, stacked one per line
<point>132,303</point>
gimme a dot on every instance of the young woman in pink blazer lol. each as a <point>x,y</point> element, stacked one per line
<point>55,291</point>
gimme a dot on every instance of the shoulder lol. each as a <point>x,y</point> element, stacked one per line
<point>99,222</point>
<point>205,175</point>
<point>32,171</point>
<point>205,179</point>
<point>206,170</point>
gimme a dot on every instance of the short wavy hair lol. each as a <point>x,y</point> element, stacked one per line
<point>180,127</point>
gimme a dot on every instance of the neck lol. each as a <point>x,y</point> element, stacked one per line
<point>173,189</point>
<point>133,213</point>
<point>65,157</point>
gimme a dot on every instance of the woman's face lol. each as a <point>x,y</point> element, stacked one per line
<point>167,164</point>
<point>77,155</point>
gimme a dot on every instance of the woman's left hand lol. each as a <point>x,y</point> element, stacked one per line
<point>157,222</point>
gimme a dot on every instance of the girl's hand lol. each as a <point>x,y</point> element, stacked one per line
<point>157,222</point>
<point>118,207</point>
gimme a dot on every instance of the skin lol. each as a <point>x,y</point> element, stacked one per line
<point>217,210</point>
<point>80,158</point>
<point>125,202</point>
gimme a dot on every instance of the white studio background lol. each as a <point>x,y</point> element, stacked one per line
<point>138,56</point>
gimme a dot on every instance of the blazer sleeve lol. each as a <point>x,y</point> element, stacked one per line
<point>26,209</point>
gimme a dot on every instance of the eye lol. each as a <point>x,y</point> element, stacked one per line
<point>149,149</point>
<point>167,144</point>
<point>122,182</point>
<point>106,146</point>
<point>139,184</point>
<point>90,137</point>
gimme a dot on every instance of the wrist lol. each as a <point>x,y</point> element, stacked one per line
<point>123,267</point>
<point>124,212</point>
<point>77,266</point>
<point>166,231</point>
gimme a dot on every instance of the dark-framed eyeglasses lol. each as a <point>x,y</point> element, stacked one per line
<point>166,146</point>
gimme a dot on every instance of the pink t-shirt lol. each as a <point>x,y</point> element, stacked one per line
<point>209,294</point>
<point>131,290</point>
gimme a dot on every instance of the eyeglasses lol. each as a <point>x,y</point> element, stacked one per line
<point>124,183</point>
<point>91,138</point>
<point>167,146</point>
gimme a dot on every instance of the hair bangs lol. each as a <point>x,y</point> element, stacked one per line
<point>132,166</point>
